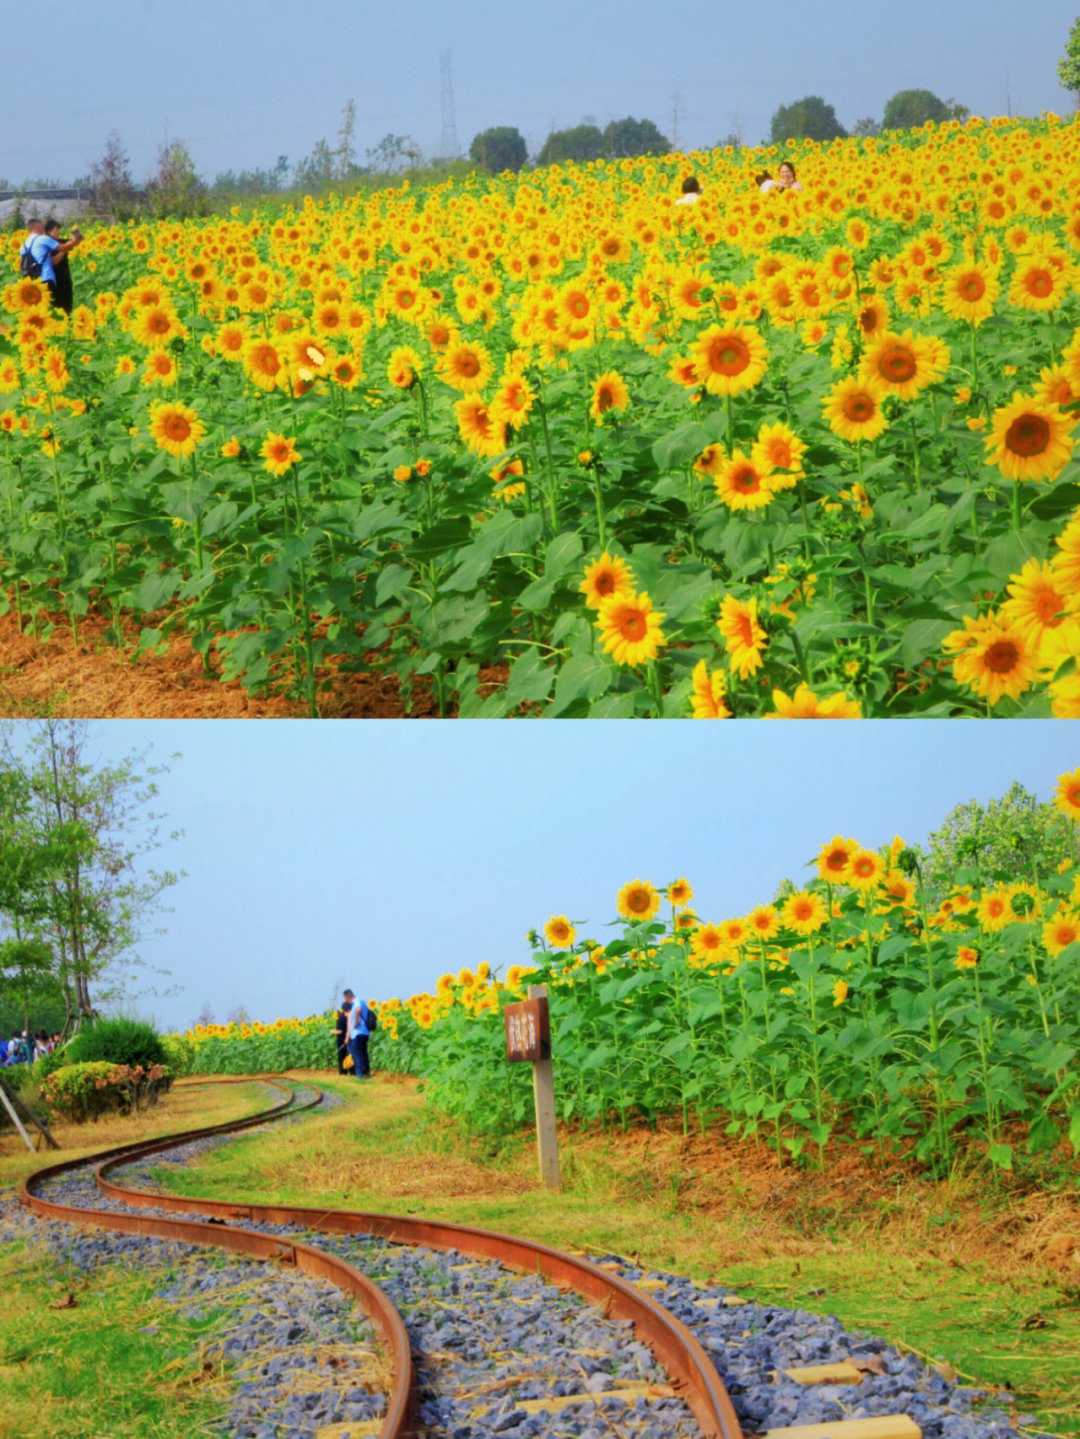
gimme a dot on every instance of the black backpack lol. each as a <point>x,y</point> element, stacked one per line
<point>372,1019</point>
<point>28,266</point>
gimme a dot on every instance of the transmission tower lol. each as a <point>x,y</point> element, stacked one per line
<point>449,134</point>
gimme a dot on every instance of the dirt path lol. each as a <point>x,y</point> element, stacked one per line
<point>96,679</point>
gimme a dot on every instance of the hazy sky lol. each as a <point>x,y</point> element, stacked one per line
<point>380,854</point>
<point>243,83</point>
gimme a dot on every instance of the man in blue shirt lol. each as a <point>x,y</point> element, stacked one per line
<point>45,249</point>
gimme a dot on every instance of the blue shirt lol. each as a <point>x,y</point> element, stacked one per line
<point>41,248</point>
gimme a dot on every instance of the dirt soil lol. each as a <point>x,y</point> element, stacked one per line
<point>96,679</point>
<point>966,1219</point>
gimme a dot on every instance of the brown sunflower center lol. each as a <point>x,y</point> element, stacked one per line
<point>177,428</point>
<point>746,480</point>
<point>860,407</point>
<point>1002,657</point>
<point>468,365</point>
<point>728,357</point>
<point>1028,435</point>
<point>1040,284</point>
<point>972,287</point>
<point>898,364</point>
<point>633,625</point>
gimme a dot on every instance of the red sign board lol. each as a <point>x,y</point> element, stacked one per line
<point>528,1030</point>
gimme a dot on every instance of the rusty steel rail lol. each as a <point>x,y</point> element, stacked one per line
<point>401,1410</point>
<point>674,1346</point>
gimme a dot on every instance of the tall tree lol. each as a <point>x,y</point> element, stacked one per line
<point>1068,69</point>
<point>93,829</point>
<point>1013,836</point>
<point>498,149</point>
<point>582,143</point>
<point>175,190</point>
<point>908,109</point>
<point>114,190</point>
<point>806,119</point>
<point>627,139</point>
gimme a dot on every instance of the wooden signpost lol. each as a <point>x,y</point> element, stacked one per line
<point>528,1037</point>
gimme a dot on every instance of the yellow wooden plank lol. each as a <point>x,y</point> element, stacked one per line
<point>842,1373</point>
<point>885,1426</point>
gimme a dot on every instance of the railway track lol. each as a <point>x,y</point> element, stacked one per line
<point>525,1352</point>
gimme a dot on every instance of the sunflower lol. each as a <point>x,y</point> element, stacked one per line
<point>834,859</point>
<point>967,956</point>
<point>155,325</point>
<point>853,410</point>
<point>559,932</point>
<point>899,364</point>
<point>804,912</point>
<point>609,575</point>
<point>176,428</point>
<point>777,447</point>
<point>466,367</point>
<point>730,359</point>
<point>1038,285</point>
<point>969,291</point>
<point>994,911</point>
<point>744,485</point>
<point>805,704</point>
<point>743,634</point>
<point>1067,797</point>
<point>865,870</point>
<point>403,367</point>
<point>483,431</point>
<point>630,628</point>
<point>637,900</point>
<point>279,453</point>
<point>764,921</point>
<point>263,365</point>
<point>840,992</point>
<point>679,893</point>
<point>159,368</point>
<point>513,400</point>
<point>609,393</point>
<point>1029,440</point>
<point>1060,932</point>
<point>1038,601</point>
<point>707,942</point>
<point>707,696</point>
<point>993,657</point>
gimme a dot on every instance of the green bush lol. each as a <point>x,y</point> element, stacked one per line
<point>50,1063</point>
<point>120,1041</point>
<point>179,1053</point>
<point>89,1090</point>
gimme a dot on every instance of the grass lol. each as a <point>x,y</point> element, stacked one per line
<point>957,1272</point>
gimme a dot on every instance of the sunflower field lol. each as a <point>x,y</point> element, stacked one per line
<point>558,444</point>
<point>933,1024</point>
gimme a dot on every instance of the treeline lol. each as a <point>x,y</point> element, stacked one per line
<point>175,189</point>
<point>75,890</point>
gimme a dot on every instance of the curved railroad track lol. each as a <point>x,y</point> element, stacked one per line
<point>331,1244</point>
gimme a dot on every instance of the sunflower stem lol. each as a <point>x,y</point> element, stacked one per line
<point>800,658</point>
<point>652,679</point>
<point>601,524</point>
<point>730,424</point>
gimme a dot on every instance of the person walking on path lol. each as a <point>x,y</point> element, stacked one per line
<point>341,1029</point>
<point>361,1023</point>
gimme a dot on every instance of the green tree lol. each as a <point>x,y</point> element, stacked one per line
<point>115,196</point>
<point>806,119</point>
<point>498,149</point>
<point>175,191</point>
<point>908,109</point>
<point>1068,69</point>
<point>582,143</point>
<point>626,139</point>
<point>1011,837</point>
<point>86,892</point>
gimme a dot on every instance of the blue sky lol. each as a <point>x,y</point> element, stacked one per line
<point>242,83</point>
<point>380,854</point>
